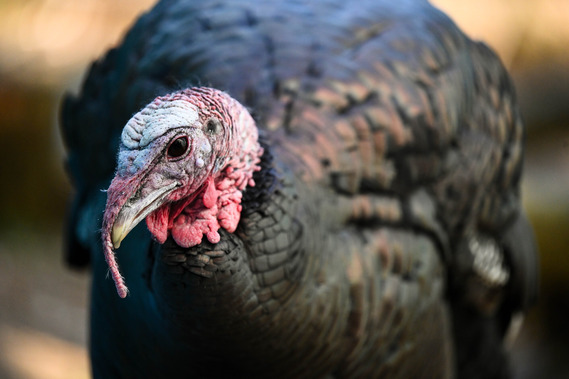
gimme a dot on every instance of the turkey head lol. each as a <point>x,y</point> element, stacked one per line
<point>183,163</point>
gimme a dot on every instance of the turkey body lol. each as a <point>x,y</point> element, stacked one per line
<point>384,235</point>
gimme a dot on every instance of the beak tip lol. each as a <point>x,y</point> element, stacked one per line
<point>117,235</point>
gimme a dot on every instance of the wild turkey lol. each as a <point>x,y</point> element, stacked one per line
<point>373,229</point>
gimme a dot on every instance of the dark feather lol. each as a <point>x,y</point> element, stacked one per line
<point>392,141</point>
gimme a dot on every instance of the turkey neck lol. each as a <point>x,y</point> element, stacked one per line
<point>237,296</point>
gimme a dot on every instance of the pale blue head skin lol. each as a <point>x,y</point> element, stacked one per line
<point>145,129</point>
<point>219,157</point>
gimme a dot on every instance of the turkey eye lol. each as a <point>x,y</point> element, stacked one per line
<point>178,147</point>
<point>213,126</point>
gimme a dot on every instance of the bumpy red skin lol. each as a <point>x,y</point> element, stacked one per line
<point>210,185</point>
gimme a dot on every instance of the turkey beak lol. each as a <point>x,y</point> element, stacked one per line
<point>136,209</point>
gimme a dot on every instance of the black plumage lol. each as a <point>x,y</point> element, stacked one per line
<point>384,236</point>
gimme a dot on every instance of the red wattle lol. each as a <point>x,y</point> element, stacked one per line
<point>210,195</point>
<point>158,223</point>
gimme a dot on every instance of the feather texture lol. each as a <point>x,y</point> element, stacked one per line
<point>391,160</point>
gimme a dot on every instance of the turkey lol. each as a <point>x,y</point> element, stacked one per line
<point>299,190</point>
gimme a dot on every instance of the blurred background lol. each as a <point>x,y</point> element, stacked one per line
<point>45,48</point>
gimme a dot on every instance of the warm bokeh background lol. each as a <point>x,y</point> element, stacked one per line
<point>45,48</point>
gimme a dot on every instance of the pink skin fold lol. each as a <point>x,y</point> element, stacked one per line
<point>118,193</point>
<point>184,198</point>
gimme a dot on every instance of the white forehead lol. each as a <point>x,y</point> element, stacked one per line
<point>156,119</point>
